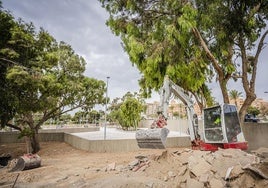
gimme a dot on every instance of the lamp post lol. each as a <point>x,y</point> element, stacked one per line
<point>107,78</point>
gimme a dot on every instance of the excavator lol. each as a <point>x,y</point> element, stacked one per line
<point>221,127</point>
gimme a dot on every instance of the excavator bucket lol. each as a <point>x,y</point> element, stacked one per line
<point>152,138</point>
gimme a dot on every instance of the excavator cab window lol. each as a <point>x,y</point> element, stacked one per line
<point>232,125</point>
<point>213,124</point>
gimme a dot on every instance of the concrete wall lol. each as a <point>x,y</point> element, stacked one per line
<point>121,145</point>
<point>256,135</point>
<point>45,135</point>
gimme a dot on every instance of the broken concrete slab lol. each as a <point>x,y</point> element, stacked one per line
<point>261,152</point>
<point>260,169</point>
<point>193,183</point>
<point>202,167</point>
<point>215,183</point>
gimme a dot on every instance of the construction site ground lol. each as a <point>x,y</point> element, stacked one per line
<point>65,166</point>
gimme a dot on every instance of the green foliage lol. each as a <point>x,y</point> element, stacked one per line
<point>234,94</point>
<point>253,110</point>
<point>192,43</point>
<point>127,110</point>
<point>157,36</point>
<point>40,76</point>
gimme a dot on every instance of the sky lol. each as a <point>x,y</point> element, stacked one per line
<point>81,23</point>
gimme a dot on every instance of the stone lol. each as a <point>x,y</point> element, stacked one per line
<point>182,170</point>
<point>215,183</point>
<point>133,163</point>
<point>111,166</point>
<point>183,178</point>
<point>204,178</point>
<point>171,174</point>
<point>261,152</point>
<point>200,168</point>
<point>192,183</point>
<point>260,169</point>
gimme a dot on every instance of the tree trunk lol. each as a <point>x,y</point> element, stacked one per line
<point>35,142</point>
<point>224,90</point>
<point>242,112</point>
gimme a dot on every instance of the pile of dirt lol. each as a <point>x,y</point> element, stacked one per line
<point>64,166</point>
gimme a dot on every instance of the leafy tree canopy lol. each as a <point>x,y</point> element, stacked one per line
<point>127,110</point>
<point>192,42</point>
<point>40,76</point>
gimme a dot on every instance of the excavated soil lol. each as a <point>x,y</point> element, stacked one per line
<point>65,166</point>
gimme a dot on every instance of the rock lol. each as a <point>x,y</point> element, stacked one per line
<point>261,152</point>
<point>183,178</point>
<point>261,184</point>
<point>111,167</point>
<point>260,169</point>
<point>182,170</point>
<point>192,183</point>
<point>204,178</point>
<point>141,166</point>
<point>119,168</point>
<point>200,168</point>
<point>215,183</point>
<point>141,158</point>
<point>171,174</point>
<point>245,180</point>
<point>133,163</point>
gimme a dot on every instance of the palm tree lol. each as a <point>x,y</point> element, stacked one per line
<point>234,94</point>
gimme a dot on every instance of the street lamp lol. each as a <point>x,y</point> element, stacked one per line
<point>266,92</point>
<point>107,78</point>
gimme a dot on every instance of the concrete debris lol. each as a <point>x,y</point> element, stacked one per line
<point>193,183</point>
<point>222,168</point>
<point>139,164</point>
<point>111,167</point>
<point>260,169</point>
<point>215,183</point>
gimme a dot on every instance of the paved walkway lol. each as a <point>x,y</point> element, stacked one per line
<point>117,134</point>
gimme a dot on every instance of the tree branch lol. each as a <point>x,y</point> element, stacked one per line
<point>13,126</point>
<point>256,59</point>
<point>205,47</point>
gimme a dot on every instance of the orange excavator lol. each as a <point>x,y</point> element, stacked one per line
<point>221,127</point>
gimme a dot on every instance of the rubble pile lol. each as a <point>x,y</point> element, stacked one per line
<point>194,168</point>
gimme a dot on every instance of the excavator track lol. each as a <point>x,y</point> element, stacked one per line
<point>152,138</point>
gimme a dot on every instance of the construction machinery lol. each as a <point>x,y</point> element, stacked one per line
<point>221,127</point>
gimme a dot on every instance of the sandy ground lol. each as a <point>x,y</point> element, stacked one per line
<point>65,166</point>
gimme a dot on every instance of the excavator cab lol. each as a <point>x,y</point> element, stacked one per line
<point>221,128</point>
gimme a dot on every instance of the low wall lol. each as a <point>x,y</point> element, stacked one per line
<point>120,145</point>
<point>45,135</point>
<point>256,135</point>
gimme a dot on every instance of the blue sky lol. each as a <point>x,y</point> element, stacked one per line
<point>81,24</point>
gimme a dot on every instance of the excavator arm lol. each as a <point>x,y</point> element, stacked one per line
<point>166,91</point>
<point>156,138</point>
